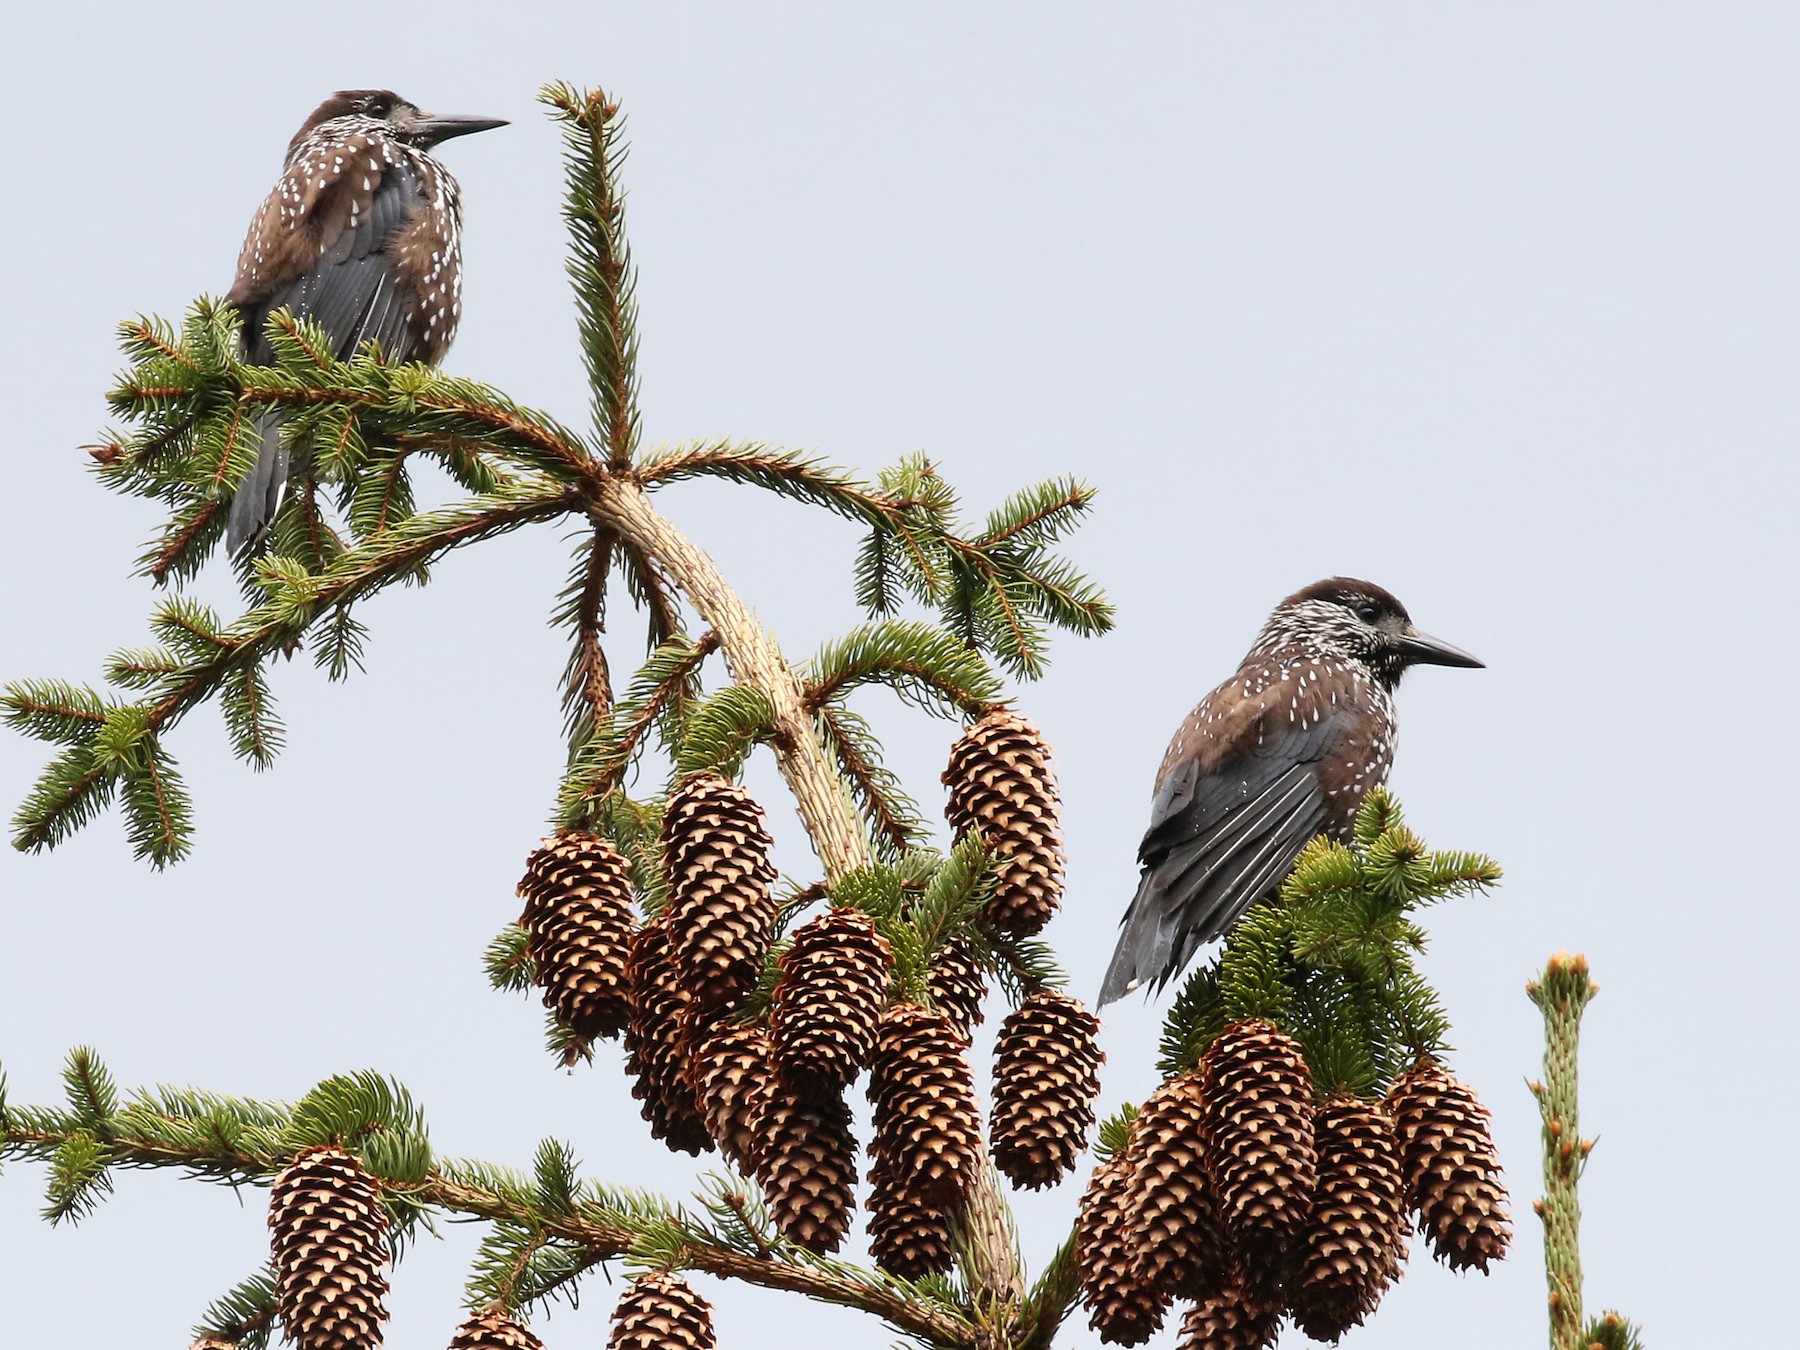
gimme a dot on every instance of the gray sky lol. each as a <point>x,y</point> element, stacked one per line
<point>1493,305</point>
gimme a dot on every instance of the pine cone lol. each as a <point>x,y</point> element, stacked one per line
<point>834,980</point>
<point>1121,1308</point>
<point>1452,1171</point>
<point>721,917</point>
<point>957,983</point>
<point>1001,782</point>
<point>1356,1239</point>
<point>212,1343</point>
<point>907,1238</point>
<point>329,1246</point>
<point>656,1044</point>
<point>1230,1321</point>
<point>1046,1077</point>
<point>1258,1120</point>
<point>578,925</point>
<point>659,1311</point>
<point>1177,1243</point>
<point>493,1331</point>
<point>808,1165</point>
<point>730,1072</point>
<point>927,1123</point>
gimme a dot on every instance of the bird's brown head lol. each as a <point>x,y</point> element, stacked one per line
<point>384,110</point>
<point>1356,621</point>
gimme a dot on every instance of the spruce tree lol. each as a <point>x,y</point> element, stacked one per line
<point>1305,1113</point>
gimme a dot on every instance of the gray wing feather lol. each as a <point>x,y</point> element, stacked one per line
<point>352,295</point>
<point>1217,844</point>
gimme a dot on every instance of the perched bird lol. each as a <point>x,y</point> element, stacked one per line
<point>1282,751</point>
<point>363,234</point>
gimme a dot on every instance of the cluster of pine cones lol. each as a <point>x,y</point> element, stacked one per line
<point>764,1079</point>
<point>329,1239</point>
<point>1240,1195</point>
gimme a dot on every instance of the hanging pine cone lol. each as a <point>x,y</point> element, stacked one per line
<point>834,980</point>
<point>906,1237</point>
<point>578,925</point>
<point>1356,1239</point>
<point>927,1123</point>
<point>1452,1171</point>
<point>1001,782</point>
<point>329,1246</point>
<point>1230,1321</point>
<point>1258,1121</point>
<point>493,1331</point>
<point>1122,1310</point>
<point>957,983</point>
<point>808,1165</point>
<point>730,1071</point>
<point>1046,1077</point>
<point>659,1311</point>
<point>656,1044</point>
<point>720,914</point>
<point>1177,1243</point>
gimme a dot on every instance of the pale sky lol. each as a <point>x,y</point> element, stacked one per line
<point>1494,305</point>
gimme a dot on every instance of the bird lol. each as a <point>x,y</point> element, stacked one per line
<point>363,235</point>
<point>1282,751</point>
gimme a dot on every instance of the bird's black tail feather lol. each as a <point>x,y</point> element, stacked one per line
<point>254,503</point>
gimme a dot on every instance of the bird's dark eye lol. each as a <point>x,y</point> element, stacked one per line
<point>1367,613</point>
<point>376,107</point>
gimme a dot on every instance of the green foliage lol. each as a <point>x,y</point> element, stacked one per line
<point>508,961</point>
<point>600,259</point>
<point>1611,1331</point>
<point>243,1316</point>
<point>1332,963</point>
<point>892,818</point>
<point>720,731</point>
<point>658,700</point>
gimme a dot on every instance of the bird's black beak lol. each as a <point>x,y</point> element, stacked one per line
<point>434,129</point>
<point>1418,649</point>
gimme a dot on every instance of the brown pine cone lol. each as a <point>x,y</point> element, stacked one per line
<point>328,1240</point>
<point>212,1343</point>
<point>1258,1120</point>
<point>660,1311</point>
<point>730,1072</point>
<point>720,914</point>
<point>927,1122</point>
<point>1232,1320</point>
<point>834,981</point>
<point>1453,1180</point>
<point>1046,1078</point>
<point>493,1331</point>
<point>808,1165</point>
<point>1177,1243</point>
<point>1001,783</point>
<point>907,1238</point>
<point>957,983</point>
<point>656,1044</point>
<point>1355,1241</point>
<point>578,925</point>
<point>1122,1310</point>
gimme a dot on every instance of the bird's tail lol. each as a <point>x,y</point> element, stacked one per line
<point>1146,938</point>
<point>257,497</point>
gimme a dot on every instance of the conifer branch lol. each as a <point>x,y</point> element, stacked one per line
<point>587,694</point>
<point>600,260</point>
<point>892,817</point>
<point>239,1142</point>
<point>1562,993</point>
<point>789,473</point>
<point>659,692</point>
